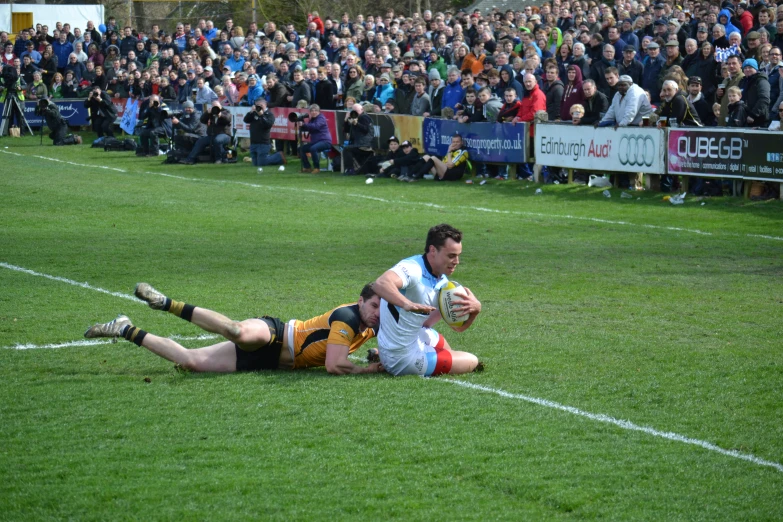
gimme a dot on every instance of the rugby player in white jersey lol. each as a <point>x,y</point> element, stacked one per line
<point>407,344</point>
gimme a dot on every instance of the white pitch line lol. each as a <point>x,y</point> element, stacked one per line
<point>98,342</point>
<point>627,425</point>
<point>417,203</point>
<point>70,282</point>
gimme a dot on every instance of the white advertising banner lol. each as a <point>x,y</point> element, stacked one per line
<point>603,149</point>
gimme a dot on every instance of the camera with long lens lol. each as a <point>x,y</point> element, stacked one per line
<point>41,107</point>
<point>214,111</point>
<point>9,79</point>
<point>296,117</point>
<point>353,117</point>
<point>171,114</point>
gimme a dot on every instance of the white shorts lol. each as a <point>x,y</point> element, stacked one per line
<point>425,356</point>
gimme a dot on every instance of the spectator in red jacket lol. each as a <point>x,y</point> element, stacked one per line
<point>534,101</point>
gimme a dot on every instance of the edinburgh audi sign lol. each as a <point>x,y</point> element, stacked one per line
<point>605,149</point>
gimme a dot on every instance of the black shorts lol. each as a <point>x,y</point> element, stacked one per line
<point>267,357</point>
<point>454,173</point>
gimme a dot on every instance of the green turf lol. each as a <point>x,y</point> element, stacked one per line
<point>583,305</point>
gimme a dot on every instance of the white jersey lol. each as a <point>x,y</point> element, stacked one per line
<point>399,329</point>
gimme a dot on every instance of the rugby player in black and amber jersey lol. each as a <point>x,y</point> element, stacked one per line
<point>264,343</point>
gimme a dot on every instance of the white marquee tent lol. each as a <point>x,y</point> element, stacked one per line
<point>76,15</point>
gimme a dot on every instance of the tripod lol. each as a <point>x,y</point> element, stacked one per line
<point>10,107</point>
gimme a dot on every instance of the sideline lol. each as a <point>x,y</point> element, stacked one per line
<point>414,203</point>
<point>71,282</point>
<point>624,424</point>
<point>98,342</point>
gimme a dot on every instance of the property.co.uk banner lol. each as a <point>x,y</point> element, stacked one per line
<point>486,142</point>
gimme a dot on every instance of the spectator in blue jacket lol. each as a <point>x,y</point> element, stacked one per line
<point>453,92</point>
<point>653,64</point>
<point>236,62</point>
<point>62,49</point>
<point>320,139</point>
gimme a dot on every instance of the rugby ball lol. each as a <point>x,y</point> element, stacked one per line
<point>448,294</point>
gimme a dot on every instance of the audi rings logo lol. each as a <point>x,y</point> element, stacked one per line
<point>637,150</point>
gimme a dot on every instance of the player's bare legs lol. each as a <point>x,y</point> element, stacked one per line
<point>251,334</point>
<point>461,362</point>
<point>219,357</point>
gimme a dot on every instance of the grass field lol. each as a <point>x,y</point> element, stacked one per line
<point>667,318</point>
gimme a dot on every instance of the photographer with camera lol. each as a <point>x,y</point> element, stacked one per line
<point>56,123</point>
<point>11,85</point>
<point>261,121</point>
<point>156,119</point>
<point>218,122</point>
<point>320,138</point>
<point>102,112</point>
<point>358,130</point>
<point>187,128</point>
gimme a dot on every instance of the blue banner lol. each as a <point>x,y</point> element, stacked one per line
<point>486,142</point>
<point>73,111</point>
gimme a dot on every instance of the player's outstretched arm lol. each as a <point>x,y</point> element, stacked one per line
<point>388,287</point>
<point>470,304</point>
<point>337,362</point>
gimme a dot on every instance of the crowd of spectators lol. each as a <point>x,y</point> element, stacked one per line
<point>579,61</point>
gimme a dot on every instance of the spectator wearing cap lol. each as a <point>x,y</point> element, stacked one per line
<point>629,105</point>
<point>752,47</point>
<point>382,165</point>
<point>627,34</point>
<point>755,88</point>
<point>630,66</point>
<point>437,63</point>
<point>672,58</point>
<point>254,91</point>
<point>384,91</point>
<point>682,35</point>
<point>435,92</point>
<point>676,106</point>
<point>401,167</point>
<point>699,101</point>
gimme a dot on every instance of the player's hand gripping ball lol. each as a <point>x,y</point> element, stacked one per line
<point>451,292</point>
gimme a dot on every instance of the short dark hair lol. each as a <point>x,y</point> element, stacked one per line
<point>368,292</point>
<point>438,235</point>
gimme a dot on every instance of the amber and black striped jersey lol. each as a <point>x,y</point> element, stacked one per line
<point>339,326</point>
